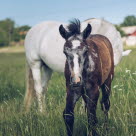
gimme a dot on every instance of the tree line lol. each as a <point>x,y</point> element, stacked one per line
<point>128,21</point>
<point>10,32</point>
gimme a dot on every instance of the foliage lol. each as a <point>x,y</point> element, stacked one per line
<point>6,27</point>
<point>16,36</point>
<point>20,32</point>
<point>23,28</point>
<point>129,21</point>
<point>120,30</point>
<point>13,121</point>
<point>8,32</point>
<point>3,38</point>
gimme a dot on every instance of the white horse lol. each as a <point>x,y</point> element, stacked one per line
<point>44,54</point>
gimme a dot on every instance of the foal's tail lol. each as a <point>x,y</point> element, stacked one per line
<point>29,88</point>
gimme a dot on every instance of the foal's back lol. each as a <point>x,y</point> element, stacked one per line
<point>101,48</point>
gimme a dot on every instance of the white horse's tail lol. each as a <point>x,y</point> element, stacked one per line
<point>126,53</point>
<point>29,94</point>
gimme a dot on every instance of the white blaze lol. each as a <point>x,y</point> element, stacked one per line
<point>76,68</point>
<point>75,43</point>
<point>76,64</point>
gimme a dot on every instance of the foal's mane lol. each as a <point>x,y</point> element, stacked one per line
<point>74,27</point>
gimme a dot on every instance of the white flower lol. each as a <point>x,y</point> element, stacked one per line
<point>127,71</point>
<point>134,73</point>
<point>115,86</point>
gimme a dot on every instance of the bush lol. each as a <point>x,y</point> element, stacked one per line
<point>3,38</point>
<point>120,30</point>
<point>8,32</point>
<point>129,21</point>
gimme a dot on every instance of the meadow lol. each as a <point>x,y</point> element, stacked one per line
<point>15,122</point>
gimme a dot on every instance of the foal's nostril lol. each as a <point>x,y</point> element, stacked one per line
<point>72,79</point>
<point>76,80</point>
<point>80,79</point>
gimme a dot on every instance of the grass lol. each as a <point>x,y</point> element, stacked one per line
<point>14,122</point>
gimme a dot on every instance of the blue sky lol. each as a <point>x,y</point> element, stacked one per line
<point>31,12</point>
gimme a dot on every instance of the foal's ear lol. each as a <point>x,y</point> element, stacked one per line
<point>87,31</point>
<point>63,32</point>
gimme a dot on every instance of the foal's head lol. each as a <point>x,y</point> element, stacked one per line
<point>75,48</point>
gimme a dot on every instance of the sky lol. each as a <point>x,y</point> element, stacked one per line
<point>31,12</point>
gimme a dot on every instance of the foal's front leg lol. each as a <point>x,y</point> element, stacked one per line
<point>91,97</point>
<point>68,114</point>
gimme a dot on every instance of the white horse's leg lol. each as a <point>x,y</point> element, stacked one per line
<point>36,71</point>
<point>46,75</point>
<point>29,88</point>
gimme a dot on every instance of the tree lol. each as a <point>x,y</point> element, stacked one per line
<point>120,30</point>
<point>129,21</point>
<point>7,27</point>
<point>8,32</point>
<point>15,36</point>
<point>3,38</point>
<point>19,33</point>
<point>24,28</point>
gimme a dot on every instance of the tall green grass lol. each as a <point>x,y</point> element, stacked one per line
<point>14,122</point>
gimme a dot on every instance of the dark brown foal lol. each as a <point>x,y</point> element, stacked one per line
<point>89,66</point>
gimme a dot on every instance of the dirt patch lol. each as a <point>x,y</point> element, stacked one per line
<point>15,49</point>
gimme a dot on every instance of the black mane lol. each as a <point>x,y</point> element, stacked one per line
<point>74,27</point>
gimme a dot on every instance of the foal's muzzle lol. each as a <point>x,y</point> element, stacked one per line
<point>76,81</point>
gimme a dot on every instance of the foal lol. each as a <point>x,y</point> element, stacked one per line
<point>89,66</point>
